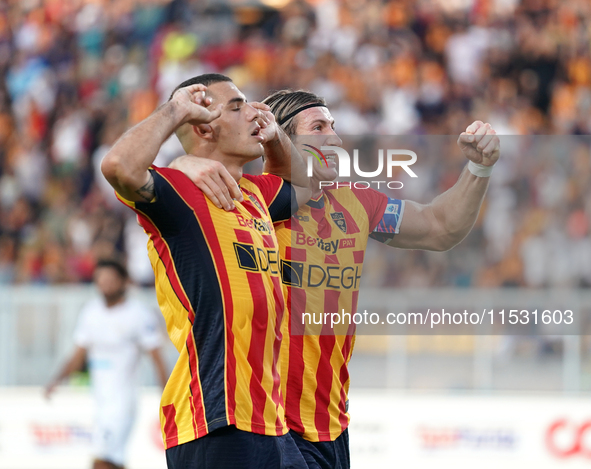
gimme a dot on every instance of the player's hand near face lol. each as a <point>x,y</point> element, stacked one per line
<point>480,143</point>
<point>192,102</point>
<point>126,165</point>
<point>278,155</point>
<point>266,119</point>
<point>212,178</point>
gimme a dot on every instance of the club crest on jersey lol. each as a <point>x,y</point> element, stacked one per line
<point>339,220</point>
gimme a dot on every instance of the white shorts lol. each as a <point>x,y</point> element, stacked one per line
<point>112,428</point>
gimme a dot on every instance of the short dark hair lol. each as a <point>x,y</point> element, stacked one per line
<point>284,102</point>
<point>113,264</point>
<point>205,79</point>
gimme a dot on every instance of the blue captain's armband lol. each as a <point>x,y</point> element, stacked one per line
<point>389,225</point>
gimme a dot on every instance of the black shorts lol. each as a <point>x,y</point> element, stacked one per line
<point>230,448</point>
<point>325,454</point>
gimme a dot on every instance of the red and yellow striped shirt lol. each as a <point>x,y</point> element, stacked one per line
<point>322,249</point>
<point>219,289</point>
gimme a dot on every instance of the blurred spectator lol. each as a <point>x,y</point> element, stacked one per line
<point>111,333</point>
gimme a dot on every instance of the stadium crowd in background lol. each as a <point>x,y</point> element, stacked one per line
<point>77,74</point>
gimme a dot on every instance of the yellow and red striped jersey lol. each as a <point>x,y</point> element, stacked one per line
<point>322,249</point>
<point>219,289</point>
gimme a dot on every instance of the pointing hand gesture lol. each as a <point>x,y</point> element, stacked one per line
<point>266,119</point>
<point>192,102</point>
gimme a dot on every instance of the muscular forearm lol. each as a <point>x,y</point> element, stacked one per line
<point>126,165</point>
<point>283,160</point>
<point>446,221</point>
<point>456,210</point>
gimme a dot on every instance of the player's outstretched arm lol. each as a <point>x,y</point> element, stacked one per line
<point>74,363</point>
<point>447,220</point>
<point>126,164</point>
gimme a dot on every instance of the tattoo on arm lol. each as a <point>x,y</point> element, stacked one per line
<point>146,192</point>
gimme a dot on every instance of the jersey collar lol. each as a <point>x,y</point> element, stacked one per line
<point>318,202</point>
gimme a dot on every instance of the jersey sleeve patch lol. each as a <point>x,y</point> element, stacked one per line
<point>389,224</point>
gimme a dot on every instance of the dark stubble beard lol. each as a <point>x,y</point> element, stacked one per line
<point>115,298</point>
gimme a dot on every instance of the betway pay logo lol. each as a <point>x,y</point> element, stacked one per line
<point>327,245</point>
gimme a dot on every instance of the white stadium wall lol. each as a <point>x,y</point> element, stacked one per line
<point>388,430</point>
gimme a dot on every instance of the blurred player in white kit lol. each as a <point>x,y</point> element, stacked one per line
<point>111,334</point>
